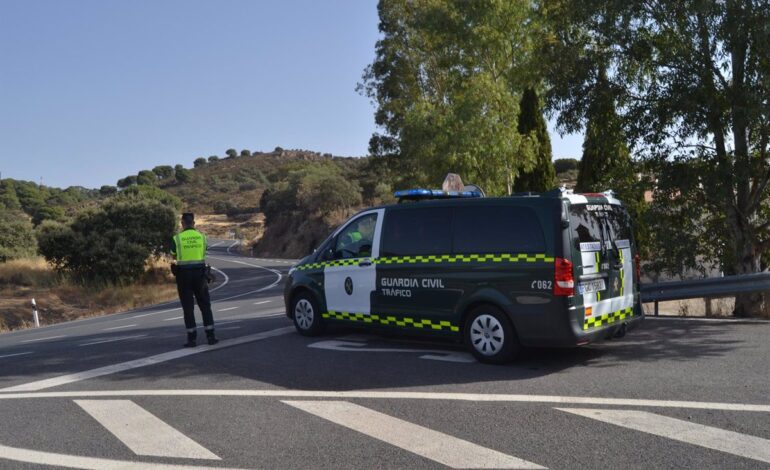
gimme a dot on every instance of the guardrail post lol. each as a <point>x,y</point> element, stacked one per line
<point>656,308</point>
<point>34,314</point>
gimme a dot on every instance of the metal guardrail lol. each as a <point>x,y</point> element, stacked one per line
<point>709,288</point>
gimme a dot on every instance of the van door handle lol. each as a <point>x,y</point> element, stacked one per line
<point>365,262</point>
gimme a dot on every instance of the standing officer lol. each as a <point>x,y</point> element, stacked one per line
<point>192,280</point>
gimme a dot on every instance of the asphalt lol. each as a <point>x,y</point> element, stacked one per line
<point>231,399</point>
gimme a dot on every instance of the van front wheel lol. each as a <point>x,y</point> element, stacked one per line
<point>490,336</point>
<point>307,317</point>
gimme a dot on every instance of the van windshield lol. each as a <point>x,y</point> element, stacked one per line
<point>586,223</point>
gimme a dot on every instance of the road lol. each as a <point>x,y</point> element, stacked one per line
<point>119,392</point>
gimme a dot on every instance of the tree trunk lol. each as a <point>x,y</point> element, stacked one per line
<point>748,261</point>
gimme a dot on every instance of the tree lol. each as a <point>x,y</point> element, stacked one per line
<point>178,167</point>
<point>231,153</point>
<point>126,182</point>
<point>245,153</point>
<point>110,244</point>
<point>107,190</point>
<point>199,162</point>
<point>183,175</point>
<point>146,177</point>
<point>17,239</point>
<point>163,172</point>
<point>213,159</point>
<point>447,82</point>
<point>152,193</point>
<point>563,165</point>
<point>48,213</point>
<point>531,124</point>
<point>8,197</point>
<point>691,80</point>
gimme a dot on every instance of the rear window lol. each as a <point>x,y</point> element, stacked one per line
<point>497,229</point>
<point>423,231</point>
<point>586,222</point>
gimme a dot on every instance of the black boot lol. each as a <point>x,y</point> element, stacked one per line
<point>211,338</point>
<point>191,337</point>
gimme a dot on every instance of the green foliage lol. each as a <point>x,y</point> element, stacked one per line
<point>8,198</point>
<point>178,167</point>
<point>532,125</point>
<point>183,175</point>
<point>199,162</point>
<point>127,181</point>
<point>231,153</point>
<point>55,213</point>
<point>163,172</point>
<point>563,165</point>
<point>146,177</point>
<point>153,193</point>
<point>112,243</point>
<point>447,78</point>
<point>213,159</point>
<point>245,153</point>
<point>107,190</point>
<point>17,239</point>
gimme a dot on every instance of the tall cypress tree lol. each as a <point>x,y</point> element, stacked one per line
<point>531,122</point>
<point>606,161</point>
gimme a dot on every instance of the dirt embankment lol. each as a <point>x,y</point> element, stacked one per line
<point>59,299</point>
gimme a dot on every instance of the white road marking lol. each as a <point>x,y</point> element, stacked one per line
<point>215,244</point>
<point>433,445</point>
<point>227,322</point>
<point>174,318</point>
<point>230,328</point>
<point>152,313</point>
<point>119,327</point>
<point>112,340</point>
<point>262,302</point>
<point>230,247</point>
<point>341,345</point>
<point>277,273</point>
<point>143,432</point>
<point>88,463</point>
<point>227,309</point>
<point>147,361</point>
<point>16,354</point>
<point>742,445</point>
<point>374,395</point>
<point>42,339</point>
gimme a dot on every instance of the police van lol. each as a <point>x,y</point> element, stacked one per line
<point>550,269</point>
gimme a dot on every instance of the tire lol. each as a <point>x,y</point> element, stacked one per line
<point>307,316</point>
<point>489,335</point>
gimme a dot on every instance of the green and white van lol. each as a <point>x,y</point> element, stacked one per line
<point>553,269</point>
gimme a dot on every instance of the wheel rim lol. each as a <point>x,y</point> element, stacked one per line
<point>303,314</point>
<point>487,335</point>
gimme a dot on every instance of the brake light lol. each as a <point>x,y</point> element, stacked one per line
<point>564,281</point>
<point>638,266</point>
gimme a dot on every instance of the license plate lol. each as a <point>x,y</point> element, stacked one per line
<point>589,287</point>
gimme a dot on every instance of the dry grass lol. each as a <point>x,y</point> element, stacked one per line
<point>59,299</point>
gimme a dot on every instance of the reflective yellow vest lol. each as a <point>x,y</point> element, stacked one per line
<point>190,247</point>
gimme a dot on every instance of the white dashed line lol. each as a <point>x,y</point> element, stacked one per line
<point>227,309</point>
<point>16,354</point>
<point>262,302</point>
<point>119,327</point>
<point>112,340</point>
<point>42,339</point>
<point>175,318</point>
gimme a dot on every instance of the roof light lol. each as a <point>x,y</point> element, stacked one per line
<point>420,193</point>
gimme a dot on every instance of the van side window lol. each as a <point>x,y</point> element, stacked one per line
<point>497,229</point>
<point>423,231</point>
<point>355,240</point>
<point>587,225</point>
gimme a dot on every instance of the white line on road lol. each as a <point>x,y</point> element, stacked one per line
<point>112,340</point>
<point>143,432</point>
<point>16,354</point>
<point>152,313</point>
<point>355,346</point>
<point>88,463</point>
<point>147,361</point>
<point>227,309</point>
<point>730,442</point>
<point>231,246</point>
<point>42,339</point>
<point>230,328</point>
<point>433,445</point>
<point>374,395</point>
<point>174,318</point>
<point>119,327</point>
<point>227,322</point>
<point>262,302</point>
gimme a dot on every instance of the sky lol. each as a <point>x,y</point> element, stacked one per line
<point>95,90</point>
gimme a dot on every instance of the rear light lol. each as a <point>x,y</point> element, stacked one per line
<point>564,281</point>
<point>638,266</point>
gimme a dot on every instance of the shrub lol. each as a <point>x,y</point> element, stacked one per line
<point>17,239</point>
<point>183,175</point>
<point>199,162</point>
<point>565,164</point>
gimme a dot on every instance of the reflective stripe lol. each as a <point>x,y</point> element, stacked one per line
<point>439,259</point>
<point>607,319</point>
<point>190,247</point>
<point>392,321</point>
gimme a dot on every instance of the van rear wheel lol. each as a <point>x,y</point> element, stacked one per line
<point>490,336</point>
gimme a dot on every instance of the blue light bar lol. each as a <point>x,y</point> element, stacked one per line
<point>419,193</point>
